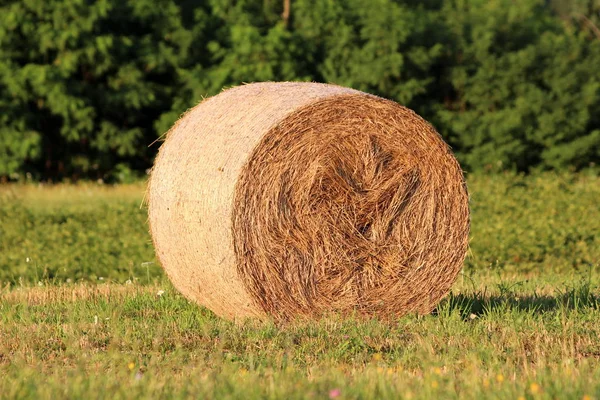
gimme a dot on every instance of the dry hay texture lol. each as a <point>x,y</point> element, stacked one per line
<point>290,200</point>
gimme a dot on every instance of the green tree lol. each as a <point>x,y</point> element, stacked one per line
<point>240,41</point>
<point>524,88</point>
<point>82,82</point>
<point>380,46</point>
<point>86,86</point>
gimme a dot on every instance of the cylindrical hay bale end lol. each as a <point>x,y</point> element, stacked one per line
<point>298,199</point>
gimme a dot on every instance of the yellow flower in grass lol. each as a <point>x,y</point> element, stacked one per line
<point>131,366</point>
<point>534,388</point>
<point>587,397</point>
<point>435,384</point>
<point>499,378</point>
<point>377,357</point>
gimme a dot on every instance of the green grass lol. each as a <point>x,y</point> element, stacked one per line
<point>505,339</point>
<point>74,233</point>
<point>546,223</point>
<point>523,319</point>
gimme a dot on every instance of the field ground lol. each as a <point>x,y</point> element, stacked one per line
<point>86,312</point>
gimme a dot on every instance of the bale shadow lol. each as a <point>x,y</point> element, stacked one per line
<point>480,303</point>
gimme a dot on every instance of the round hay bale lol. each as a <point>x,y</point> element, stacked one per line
<point>297,199</point>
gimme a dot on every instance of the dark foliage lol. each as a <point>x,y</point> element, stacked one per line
<point>86,87</point>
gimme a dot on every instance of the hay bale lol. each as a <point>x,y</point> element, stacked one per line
<point>296,199</point>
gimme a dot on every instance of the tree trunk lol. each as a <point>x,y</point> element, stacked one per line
<point>286,12</point>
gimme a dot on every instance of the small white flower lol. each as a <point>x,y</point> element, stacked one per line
<point>40,283</point>
<point>100,278</point>
<point>160,293</point>
<point>27,259</point>
<point>95,320</point>
<point>128,282</point>
<point>69,280</point>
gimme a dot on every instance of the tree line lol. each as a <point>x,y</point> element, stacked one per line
<point>87,85</point>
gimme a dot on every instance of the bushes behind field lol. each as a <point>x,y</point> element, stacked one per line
<point>86,86</point>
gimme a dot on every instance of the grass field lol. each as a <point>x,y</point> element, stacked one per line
<point>86,312</point>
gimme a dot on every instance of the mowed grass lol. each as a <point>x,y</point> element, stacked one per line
<point>71,233</point>
<point>86,312</point>
<point>533,339</point>
<point>546,223</point>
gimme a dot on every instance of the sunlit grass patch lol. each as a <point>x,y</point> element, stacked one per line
<point>136,340</point>
<point>85,310</point>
